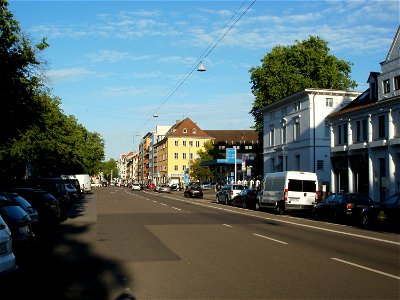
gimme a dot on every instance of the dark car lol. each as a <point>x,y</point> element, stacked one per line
<point>247,198</point>
<point>385,214</point>
<point>19,223</point>
<point>175,187</point>
<point>342,207</point>
<point>55,186</point>
<point>44,202</point>
<point>193,191</point>
<point>25,205</point>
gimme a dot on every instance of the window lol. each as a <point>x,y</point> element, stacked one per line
<point>183,167</point>
<point>191,156</point>
<point>361,130</point>
<point>296,133</point>
<point>329,102</point>
<point>184,130</point>
<point>176,156</point>
<point>381,127</point>
<point>386,86</point>
<point>194,130</point>
<point>176,143</point>
<point>397,82</point>
<point>296,106</point>
<point>272,115</point>
<point>184,143</point>
<point>272,137</point>
<point>183,155</point>
<point>249,147</point>
<point>197,143</point>
<point>221,147</point>
<point>342,134</point>
<point>283,133</point>
<point>190,143</point>
<point>176,167</point>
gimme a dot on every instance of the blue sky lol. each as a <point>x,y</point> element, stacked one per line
<point>114,63</point>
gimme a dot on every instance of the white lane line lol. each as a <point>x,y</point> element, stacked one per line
<point>154,201</point>
<point>175,208</point>
<point>366,268</point>
<point>271,239</point>
<point>163,204</point>
<point>226,225</point>
<point>289,222</point>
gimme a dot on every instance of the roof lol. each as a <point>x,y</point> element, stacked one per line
<point>394,47</point>
<point>233,135</point>
<point>186,128</point>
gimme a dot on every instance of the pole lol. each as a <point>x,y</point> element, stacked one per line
<point>235,166</point>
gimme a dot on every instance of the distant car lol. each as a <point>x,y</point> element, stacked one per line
<point>193,191</point>
<point>228,192</point>
<point>7,257</point>
<point>247,198</point>
<point>136,187</point>
<point>163,188</point>
<point>385,214</point>
<point>151,186</point>
<point>342,207</point>
<point>175,187</point>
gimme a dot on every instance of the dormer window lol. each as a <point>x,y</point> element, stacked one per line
<point>194,130</point>
<point>184,130</point>
<point>386,86</point>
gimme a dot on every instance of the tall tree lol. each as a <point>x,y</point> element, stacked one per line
<point>289,69</point>
<point>19,69</point>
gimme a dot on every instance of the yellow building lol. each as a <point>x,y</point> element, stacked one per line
<point>175,152</point>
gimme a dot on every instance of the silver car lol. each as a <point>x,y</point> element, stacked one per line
<point>7,257</point>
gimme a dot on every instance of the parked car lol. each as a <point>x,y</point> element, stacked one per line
<point>25,205</point>
<point>175,187</point>
<point>136,187</point>
<point>151,186</point>
<point>193,191</point>
<point>228,192</point>
<point>71,191</point>
<point>247,198</point>
<point>385,214</point>
<point>44,202</point>
<point>163,188</point>
<point>342,207</point>
<point>7,257</point>
<point>19,223</point>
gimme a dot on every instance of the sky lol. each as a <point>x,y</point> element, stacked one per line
<point>114,64</point>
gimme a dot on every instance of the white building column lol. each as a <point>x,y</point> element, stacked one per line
<point>391,181</point>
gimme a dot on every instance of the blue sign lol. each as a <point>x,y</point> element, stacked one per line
<point>230,155</point>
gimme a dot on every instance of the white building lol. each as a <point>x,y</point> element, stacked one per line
<point>296,135</point>
<point>365,135</point>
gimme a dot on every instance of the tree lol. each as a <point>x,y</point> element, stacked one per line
<point>204,173</point>
<point>109,167</point>
<point>289,69</point>
<point>19,68</point>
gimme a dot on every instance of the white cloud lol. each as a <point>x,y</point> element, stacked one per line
<point>68,74</point>
<point>112,56</point>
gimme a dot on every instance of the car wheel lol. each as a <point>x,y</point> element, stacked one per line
<point>279,209</point>
<point>244,204</point>
<point>226,201</point>
<point>366,221</point>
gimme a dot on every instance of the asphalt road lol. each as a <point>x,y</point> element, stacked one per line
<point>163,246</point>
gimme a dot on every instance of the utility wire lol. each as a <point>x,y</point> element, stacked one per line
<point>201,58</point>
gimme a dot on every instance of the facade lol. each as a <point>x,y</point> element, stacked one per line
<point>296,135</point>
<point>365,135</point>
<point>178,148</point>
<point>248,147</point>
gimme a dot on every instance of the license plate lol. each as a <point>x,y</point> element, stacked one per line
<point>24,230</point>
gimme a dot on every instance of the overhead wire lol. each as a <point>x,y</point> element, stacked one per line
<point>194,66</point>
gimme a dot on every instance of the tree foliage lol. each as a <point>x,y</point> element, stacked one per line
<point>204,173</point>
<point>35,132</point>
<point>289,69</point>
<point>109,167</point>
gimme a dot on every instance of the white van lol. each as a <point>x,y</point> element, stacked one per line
<point>84,181</point>
<point>290,190</point>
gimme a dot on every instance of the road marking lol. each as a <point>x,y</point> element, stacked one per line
<point>226,225</point>
<point>243,212</point>
<point>163,204</point>
<point>175,208</point>
<point>268,238</point>
<point>366,268</point>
